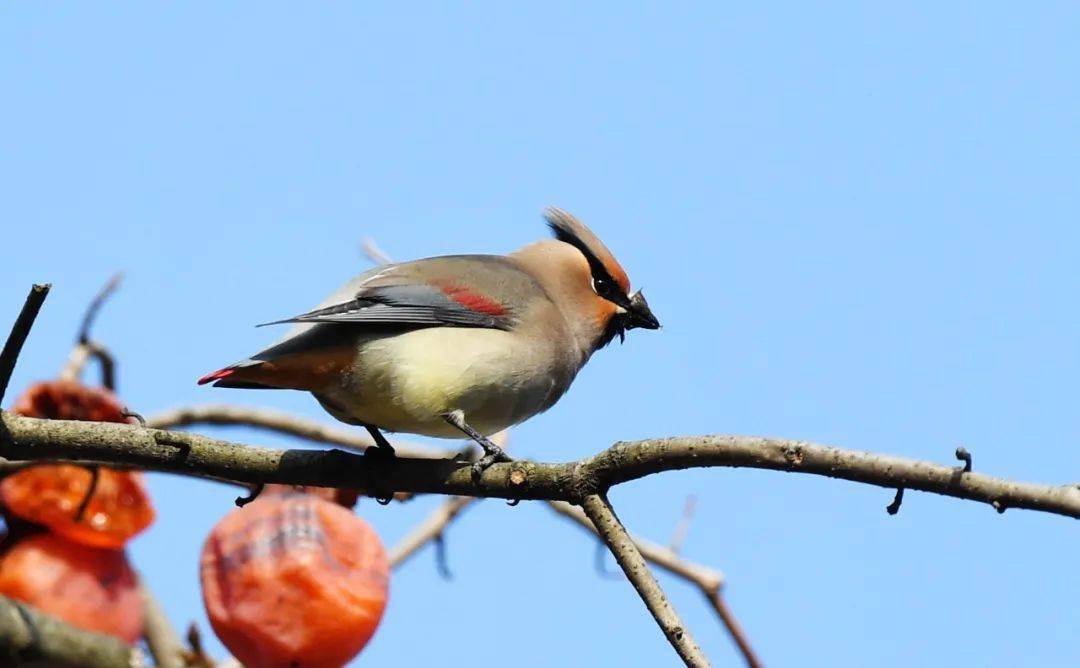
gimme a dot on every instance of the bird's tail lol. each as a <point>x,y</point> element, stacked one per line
<point>308,370</point>
<point>242,375</point>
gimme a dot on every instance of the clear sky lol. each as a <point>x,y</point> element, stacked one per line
<point>858,225</point>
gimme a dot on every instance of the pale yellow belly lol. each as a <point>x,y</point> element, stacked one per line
<point>409,381</point>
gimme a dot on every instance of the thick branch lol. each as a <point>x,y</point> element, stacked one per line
<point>613,533</point>
<point>30,636</point>
<point>191,454</point>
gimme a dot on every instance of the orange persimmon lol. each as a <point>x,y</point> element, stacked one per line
<point>293,579</point>
<point>53,496</point>
<point>87,587</point>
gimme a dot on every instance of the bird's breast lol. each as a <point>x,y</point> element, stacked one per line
<point>408,381</point>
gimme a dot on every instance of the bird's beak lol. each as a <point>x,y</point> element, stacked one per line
<point>640,313</point>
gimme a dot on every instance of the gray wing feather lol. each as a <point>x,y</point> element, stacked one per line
<point>374,298</point>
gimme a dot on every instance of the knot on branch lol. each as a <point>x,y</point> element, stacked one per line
<point>793,454</point>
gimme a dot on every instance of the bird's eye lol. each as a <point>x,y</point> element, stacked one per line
<point>601,285</point>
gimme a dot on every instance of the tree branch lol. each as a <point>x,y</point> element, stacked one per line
<point>708,580</point>
<point>195,455</point>
<point>27,634</point>
<point>613,533</point>
<point>161,638</point>
<point>19,331</point>
<point>429,529</point>
<point>716,600</point>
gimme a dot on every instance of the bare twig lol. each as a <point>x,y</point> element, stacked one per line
<point>91,489</point>
<point>19,331</point>
<point>161,638</point>
<point>81,354</point>
<point>716,599</point>
<point>432,527</point>
<point>99,299</point>
<point>682,529</point>
<point>85,348</point>
<point>428,529</point>
<point>707,579</point>
<point>613,533</point>
<point>28,634</point>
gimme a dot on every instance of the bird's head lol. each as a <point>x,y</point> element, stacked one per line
<point>605,283</point>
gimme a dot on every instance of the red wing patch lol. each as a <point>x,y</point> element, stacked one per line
<point>217,375</point>
<point>473,301</point>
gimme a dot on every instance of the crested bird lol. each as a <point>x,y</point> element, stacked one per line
<point>455,345</point>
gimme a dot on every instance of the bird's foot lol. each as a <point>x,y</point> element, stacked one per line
<point>381,454</point>
<point>492,454</point>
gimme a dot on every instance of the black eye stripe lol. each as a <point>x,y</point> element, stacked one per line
<point>607,288</point>
<point>603,283</point>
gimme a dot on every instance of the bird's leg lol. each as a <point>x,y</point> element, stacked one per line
<point>382,451</point>
<point>380,441</point>
<point>492,452</point>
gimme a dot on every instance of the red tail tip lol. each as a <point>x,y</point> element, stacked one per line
<point>217,375</point>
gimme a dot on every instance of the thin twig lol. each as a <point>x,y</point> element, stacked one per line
<point>81,354</point>
<point>705,578</point>
<point>430,528</point>
<point>91,489</point>
<point>19,331</point>
<point>613,533</point>
<point>682,529</point>
<point>161,638</point>
<point>433,526</point>
<point>716,599</point>
<point>99,299</point>
<point>708,580</point>
<point>86,348</point>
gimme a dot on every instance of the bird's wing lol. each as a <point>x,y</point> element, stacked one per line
<point>455,291</point>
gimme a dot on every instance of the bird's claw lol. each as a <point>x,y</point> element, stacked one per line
<point>492,454</point>
<point>381,455</point>
<point>384,453</point>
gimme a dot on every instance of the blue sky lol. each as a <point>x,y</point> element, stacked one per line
<point>857,223</point>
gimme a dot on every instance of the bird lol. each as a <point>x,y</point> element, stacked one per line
<point>456,345</point>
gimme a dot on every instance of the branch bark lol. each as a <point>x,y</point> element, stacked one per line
<point>614,534</point>
<point>195,455</point>
<point>34,638</point>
